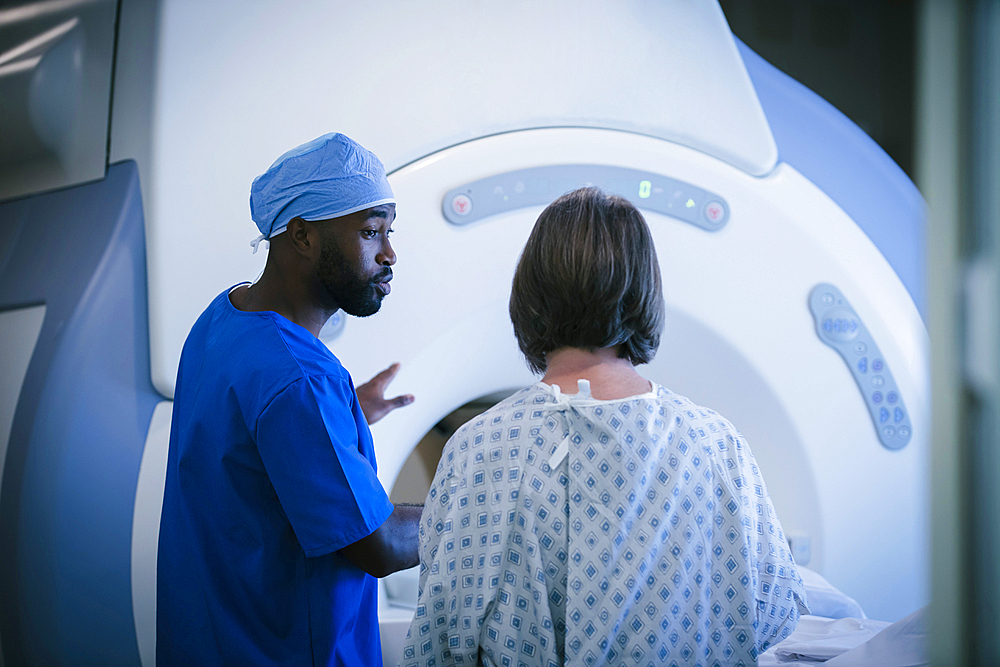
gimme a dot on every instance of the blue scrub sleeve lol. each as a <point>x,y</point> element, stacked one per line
<point>308,438</point>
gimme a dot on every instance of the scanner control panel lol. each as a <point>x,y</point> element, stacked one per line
<point>540,186</point>
<point>842,329</point>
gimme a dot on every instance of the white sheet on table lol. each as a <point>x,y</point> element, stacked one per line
<point>818,639</point>
<point>902,644</point>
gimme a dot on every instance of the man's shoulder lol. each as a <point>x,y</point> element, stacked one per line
<point>310,355</point>
<point>291,355</point>
<point>262,350</point>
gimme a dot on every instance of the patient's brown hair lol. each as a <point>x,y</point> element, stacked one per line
<point>588,278</point>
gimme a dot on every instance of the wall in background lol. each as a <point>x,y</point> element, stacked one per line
<point>859,56</point>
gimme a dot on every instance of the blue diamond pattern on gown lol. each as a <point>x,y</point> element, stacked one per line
<point>561,529</point>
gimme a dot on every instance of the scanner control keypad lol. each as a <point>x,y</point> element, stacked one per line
<point>842,329</point>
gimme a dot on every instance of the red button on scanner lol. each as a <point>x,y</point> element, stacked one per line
<point>714,211</point>
<point>461,204</point>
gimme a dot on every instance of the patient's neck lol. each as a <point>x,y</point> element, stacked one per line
<point>610,377</point>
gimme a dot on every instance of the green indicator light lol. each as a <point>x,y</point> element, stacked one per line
<point>645,187</point>
<point>690,203</point>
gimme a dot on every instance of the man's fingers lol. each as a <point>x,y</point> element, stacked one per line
<point>385,377</point>
<point>371,395</point>
<point>400,401</point>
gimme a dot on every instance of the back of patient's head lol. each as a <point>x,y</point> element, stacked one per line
<point>588,278</point>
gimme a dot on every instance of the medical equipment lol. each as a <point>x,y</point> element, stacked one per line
<point>470,109</point>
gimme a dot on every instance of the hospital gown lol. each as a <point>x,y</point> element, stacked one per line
<point>567,530</point>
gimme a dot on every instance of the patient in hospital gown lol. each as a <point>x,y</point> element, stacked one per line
<point>630,529</point>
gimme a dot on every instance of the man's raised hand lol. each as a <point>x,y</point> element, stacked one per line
<point>371,395</point>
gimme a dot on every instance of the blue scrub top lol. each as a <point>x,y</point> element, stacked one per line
<point>271,470</point>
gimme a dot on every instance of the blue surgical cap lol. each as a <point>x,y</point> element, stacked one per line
<point>326,178</point>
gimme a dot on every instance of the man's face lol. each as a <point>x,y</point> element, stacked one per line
<point>356,259</point>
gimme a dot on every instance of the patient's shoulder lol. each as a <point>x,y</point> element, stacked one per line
<point>503,424</point>
<point>523,404</point>
<point>686,412</point>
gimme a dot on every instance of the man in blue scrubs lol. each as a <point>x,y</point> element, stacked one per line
<point>274,522</point>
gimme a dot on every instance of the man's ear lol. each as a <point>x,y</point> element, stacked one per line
<point>303,237</point>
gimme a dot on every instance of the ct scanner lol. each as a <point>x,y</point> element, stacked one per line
<point>789,243</point>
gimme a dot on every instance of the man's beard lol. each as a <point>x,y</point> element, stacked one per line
<point>354,294</point>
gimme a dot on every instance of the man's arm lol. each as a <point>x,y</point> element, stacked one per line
<point>392,547</point>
